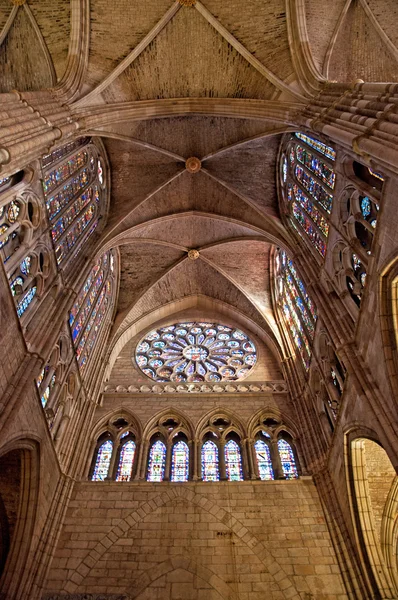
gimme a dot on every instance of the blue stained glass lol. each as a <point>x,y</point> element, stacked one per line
<point>26,300</point>
<point>157,462</point>
<point>366,207</point>
<point>233,461</point>
<point>210,470</point>
<point>287,460</point>
<point>180,462</point>
<point>317,145</point>
<point>102,462</point>
<point>25,265</point>
<point>264,462</point>
<point>126,460</point>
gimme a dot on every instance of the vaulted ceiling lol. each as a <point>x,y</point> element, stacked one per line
<point>159,49</point>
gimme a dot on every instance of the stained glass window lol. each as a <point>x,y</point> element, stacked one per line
<point>47,391</point>
<point>210,470</point>
<point>264,461</point>
<point>72,196</point>
<point>103,461</point>
<point>309,185</point>
<point>126,460</point>
<point>88,313</point>
<point>233,461</point>
<point>59,153</point>
<point>297,307</point>
<point>157,462</point>
<point>287,460</point>
<point>317,145</point>
<point>197,352</point>
<point>180,462</point>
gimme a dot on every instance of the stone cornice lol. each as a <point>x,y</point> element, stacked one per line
<point>250,387</point>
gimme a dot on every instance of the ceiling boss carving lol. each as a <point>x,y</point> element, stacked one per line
<point>193,254</point>
<point>193,164</point>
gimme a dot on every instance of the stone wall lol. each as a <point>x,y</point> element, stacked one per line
<point>246,540</point>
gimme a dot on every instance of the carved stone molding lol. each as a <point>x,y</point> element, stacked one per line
<point>86,597</point>
<point>273,387</point>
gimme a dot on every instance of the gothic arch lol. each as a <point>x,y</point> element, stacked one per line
<point>186,564</point>
<point>388,297</point>
<point>77,576</point>
<point>21,544</point>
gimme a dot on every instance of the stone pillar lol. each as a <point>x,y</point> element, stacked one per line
<point>193,466</point>
<point>254,473</point>
<point>198,462</point>
<point>246,467</point>
<point>221,460</point>
<point>276,460</point>
<point>61,430</point>
<point>167,469</point>
<point>143,460</point>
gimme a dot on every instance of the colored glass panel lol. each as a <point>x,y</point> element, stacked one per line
<point>56,203</point>
<point>180,462</point>
<point>319,195</point>
<point>64,171</point>
<point>316,216</point>
<point>309,229</point>
<point>47,391</point>
<point>264,463</point>
<point>157,462</point>
<point>126,460</point>
<point>366,207</point>
<point>376,174</point>
<point>316,165</point>
<point>102,462</point>
<point>4,181</point>
<point>233,461</point>
<point>83,292</point>
<point>210,470</point>
<point>298,309</point>
<point>317,145</point>
<point>74,232</point>
<point>189,352</point>
<point>26,300</point>
<point>287,460</point>
<point>49,159</point>
<point>284,168</point>
<point>88,304</point>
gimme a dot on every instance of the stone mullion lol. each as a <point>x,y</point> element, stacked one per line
<point>323,213</point>
<point>193,464</point>
<point>297,311</point>
<point>276,460</point>
<point>251,452</point>
<point>199,444</point>
<point>143,460</point>
<point>77,341</point>
<point>246,468</point>
<point>221,460</point>
<point>65,263</point>
<point>320,156</point>
<point>90,374</point>
<point>167,468</point>
<point>75,218</point>
<point>85,298</point>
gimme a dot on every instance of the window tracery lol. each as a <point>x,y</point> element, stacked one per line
<point>233,461</point>
<point>287,459</point>
<point>157,461</point>
<point>264,461</point>
<point>297,308</point>
<point>115,454</point>
<point>196,352</point>
<point>92,304</point>
<point>73,185</point>
<point>308,180</point>
<point>180,461</point>
<point>210,467</point>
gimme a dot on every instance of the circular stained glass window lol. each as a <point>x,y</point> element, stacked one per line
<point>196,352</point>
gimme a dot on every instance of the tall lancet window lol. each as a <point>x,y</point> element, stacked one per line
<point>210,469</point>
<point>92,305</point>
<point>74,186</point>
<point>308,181</point>
<point>296,306</point>
<point>233,461</point>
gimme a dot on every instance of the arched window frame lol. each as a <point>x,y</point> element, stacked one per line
<point>283,436</point>
<point>75,191</point>
<point>120,429</point>
<point>94,302</point>
<point>233,440</point>
<point>204,477</point>
<point>298,311</point>
<point>124,438</point>
<point>307,182</point>
<point>265,438</point>
<point>180,440</point>
<point>157,439</point>
<point>103,439</point>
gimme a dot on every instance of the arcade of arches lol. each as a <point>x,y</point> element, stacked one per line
<point>199,299</point>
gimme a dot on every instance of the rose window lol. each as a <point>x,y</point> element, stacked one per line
<point>196,352</point>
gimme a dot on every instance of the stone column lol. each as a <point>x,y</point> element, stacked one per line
<point>167,469</point>
<point>254,473</point>
<point>198,462</point>
<point>221,460</point>
<point>276,460</point>
<point>246,467</point>
<point>193,467</point>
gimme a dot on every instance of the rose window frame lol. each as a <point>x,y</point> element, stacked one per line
<point>196,351</point>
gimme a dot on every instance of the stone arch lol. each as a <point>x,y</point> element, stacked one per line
<point>184,564</point>
<point>388,297</point>
<point>221,412</point>
<point>258,548</point>
<point>26,453</point>
<point>373,494</point>
<point>170,412</point>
